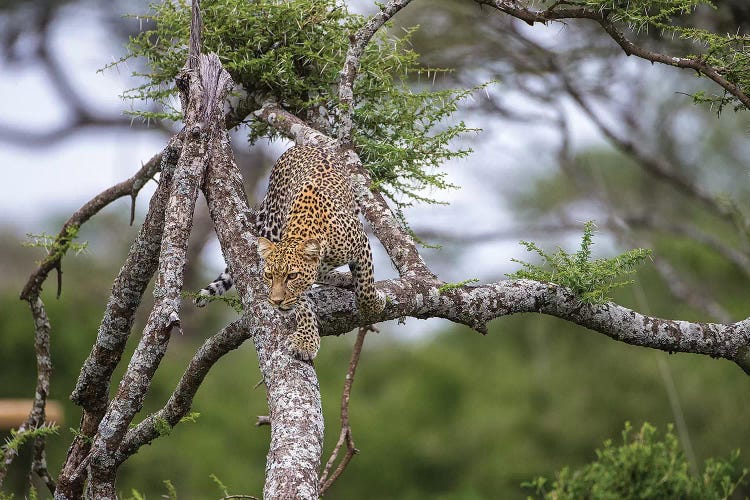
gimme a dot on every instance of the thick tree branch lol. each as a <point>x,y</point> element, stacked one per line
<point>204,87</point>
<point>475,306</point>
<point>92,388</point>
<point>293,394</point>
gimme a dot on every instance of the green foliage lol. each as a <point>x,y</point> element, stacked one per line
<point>232,300</point>
<point>191,417</point>
<point>18,438</point>
<point>135,495</point>
<point>162,427</point>
<point>294,50</point>
<point>56,247</point>
<point>79,434</point>
<point>644,467</point>
<point>451,286</point>
<point>591,280</point>
<point>220,484</point>
<point>171,490</point>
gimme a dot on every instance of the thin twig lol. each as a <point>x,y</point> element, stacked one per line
<point>89,209</point>
<point>346,431</point>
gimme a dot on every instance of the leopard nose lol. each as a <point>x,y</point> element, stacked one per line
<point>275,302</point>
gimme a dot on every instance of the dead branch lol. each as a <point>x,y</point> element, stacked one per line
<point>345,435</point>
<point>36,418</point>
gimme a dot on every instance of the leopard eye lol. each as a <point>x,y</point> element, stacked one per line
<point>292,276</point>
<point>268,275</point>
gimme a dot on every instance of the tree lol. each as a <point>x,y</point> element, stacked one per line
<point>390,138</point>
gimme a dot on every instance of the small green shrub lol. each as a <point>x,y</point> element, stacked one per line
<point>591,280</point>
<point>643,467</point>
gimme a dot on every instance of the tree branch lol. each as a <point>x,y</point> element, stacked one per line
<point>179,403</point>
<point>554,13</point>
<point>129,187</point>
<point>203,88</point>
<point>92,389</point>
<point>358,42</point>
<point>345,436</point>
<point>475,306</point>
<point>37,415</point>
<point>293,394</point>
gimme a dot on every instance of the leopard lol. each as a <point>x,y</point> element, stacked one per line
<point>308,225</point>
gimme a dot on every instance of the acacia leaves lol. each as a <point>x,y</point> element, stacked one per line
<point>591,280</point>
<point>645,466</point>
<point>293,52</point>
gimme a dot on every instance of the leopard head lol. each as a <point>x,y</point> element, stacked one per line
<point>290,268</point>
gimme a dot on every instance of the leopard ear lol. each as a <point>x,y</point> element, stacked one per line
<point>311,249</point>
<point>265,246</point>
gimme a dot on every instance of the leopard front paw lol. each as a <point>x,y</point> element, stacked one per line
<point>303,345</point>
<point>375,305</point>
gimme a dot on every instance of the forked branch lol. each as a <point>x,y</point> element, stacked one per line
<point>345,436</point>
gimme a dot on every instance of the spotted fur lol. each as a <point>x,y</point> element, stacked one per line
<point>308,225</point>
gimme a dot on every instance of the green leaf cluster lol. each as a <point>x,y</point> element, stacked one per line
<point>57,246</point>
<point>591,280</point>
<point>18,438</point>
<point>645,466</point>
<point>293,51</point>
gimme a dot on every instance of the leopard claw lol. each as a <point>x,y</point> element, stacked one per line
<point>301,348</point>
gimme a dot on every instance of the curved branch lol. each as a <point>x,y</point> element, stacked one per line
<point>129,187</point>
<point>697,64</point>
<point>179,403</point>
<point>475,306</point>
